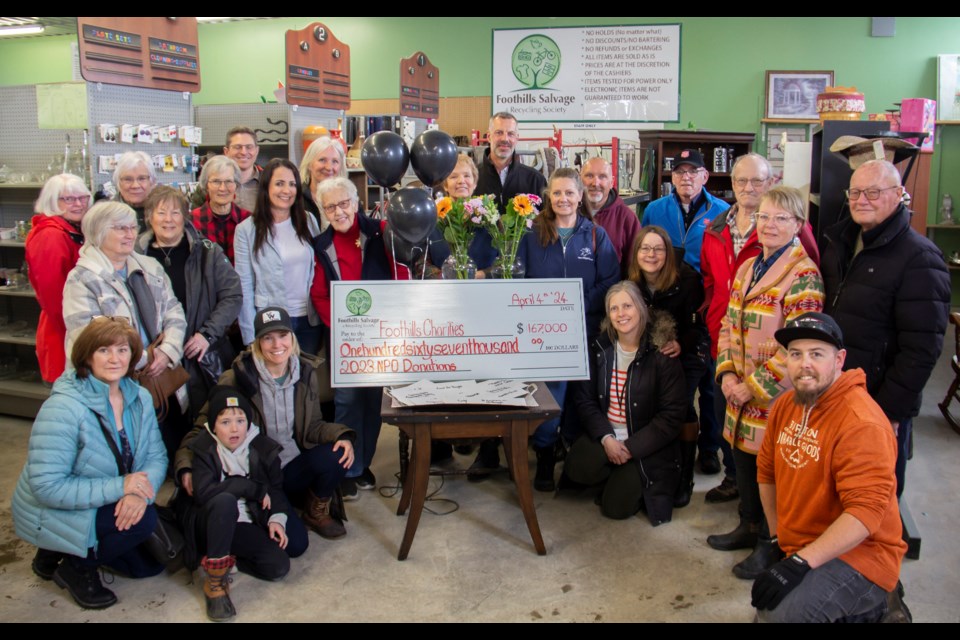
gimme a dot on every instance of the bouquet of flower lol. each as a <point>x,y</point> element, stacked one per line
<point>458,220</point>
<point>509,229</point>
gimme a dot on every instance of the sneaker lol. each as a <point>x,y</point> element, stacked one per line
<point>724,492</point>
<point>348,487</point>
<point>367,480</point>
<point>84,585</point>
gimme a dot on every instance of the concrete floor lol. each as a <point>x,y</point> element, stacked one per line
<point>477,563</point>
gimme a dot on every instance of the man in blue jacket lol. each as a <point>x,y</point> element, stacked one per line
<point>688,211</point>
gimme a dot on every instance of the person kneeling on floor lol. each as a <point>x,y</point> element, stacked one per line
<point>238,487</point>
<point>826,476</point>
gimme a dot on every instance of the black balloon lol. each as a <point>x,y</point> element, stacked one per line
<point>403,252</point>
<point>433,156</point>
<point>385,158</point>
<point>412,214</point>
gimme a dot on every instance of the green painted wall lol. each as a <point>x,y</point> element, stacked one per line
<point>722,59</point>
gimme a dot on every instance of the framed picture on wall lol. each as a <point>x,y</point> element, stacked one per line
<point>792,95</point>
<point>948,87</point>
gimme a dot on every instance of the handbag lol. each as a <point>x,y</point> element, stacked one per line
<point>161,386</point>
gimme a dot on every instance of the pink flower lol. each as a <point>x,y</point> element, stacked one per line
<point>529,223</point>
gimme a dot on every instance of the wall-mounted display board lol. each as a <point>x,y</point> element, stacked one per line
<point>152,53</point>
<point>626,73</point>
<point>419,87</point>
<point>318,68</point>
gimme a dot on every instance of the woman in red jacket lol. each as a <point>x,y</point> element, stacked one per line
<point>52,249</point>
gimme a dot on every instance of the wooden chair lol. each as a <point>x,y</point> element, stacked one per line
<point>953,393</point>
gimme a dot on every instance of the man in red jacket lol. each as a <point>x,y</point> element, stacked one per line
<point>609,210</point>
<point>728,242</point>
<point>826,474</point>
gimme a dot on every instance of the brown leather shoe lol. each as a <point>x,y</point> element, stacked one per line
<point>723,492</point>
<point>318,517</point>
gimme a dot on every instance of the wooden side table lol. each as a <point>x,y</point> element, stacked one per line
<point>513,425</point>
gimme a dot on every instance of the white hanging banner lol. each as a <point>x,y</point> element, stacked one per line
<point>625,73</point>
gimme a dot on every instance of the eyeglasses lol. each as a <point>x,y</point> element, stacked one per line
<point>647,250</point>
<point>343,204</point>
<point>128,180</point>
<point>781,220</point>
<point>124,228</point>
<point>756,183</point>
<point>686,173</point>
<point>242,147</point>
<point>216,184</point>
<point>74,199</point>
<point>872,194</point>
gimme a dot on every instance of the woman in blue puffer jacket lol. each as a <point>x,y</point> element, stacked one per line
<point>94,463</point>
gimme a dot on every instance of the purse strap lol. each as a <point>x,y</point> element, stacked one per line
<point>114,449</point>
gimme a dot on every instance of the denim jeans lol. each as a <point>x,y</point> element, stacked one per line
<point>546,434</point>
<point>359,409</point>
<point>833,592</point>
<point>308,337</point>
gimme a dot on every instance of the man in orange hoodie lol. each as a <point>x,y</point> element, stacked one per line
<point>826,474</point>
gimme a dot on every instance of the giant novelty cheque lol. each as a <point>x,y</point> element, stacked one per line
<point>387,333</point>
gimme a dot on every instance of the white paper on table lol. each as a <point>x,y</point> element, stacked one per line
<point>490,392</point>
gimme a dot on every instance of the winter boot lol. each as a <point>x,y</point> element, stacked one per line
<point>743,537</point>
<point>546,459</point>
<point>766,554</point>
<point>45,563</point>
<point>83,583</point>
<point>688,455</point>
<point>318,517</point>
<point>216,587</point>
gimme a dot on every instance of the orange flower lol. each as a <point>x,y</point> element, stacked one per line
<point>443,207</point>
<point>522,205</point>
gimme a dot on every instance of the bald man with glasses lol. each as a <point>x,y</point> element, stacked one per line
<point>888,288</point>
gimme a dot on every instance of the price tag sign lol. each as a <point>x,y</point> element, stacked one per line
<point>387,333</point>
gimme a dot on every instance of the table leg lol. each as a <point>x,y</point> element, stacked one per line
<point>404,474</point>
<point>517,455</point>
<point>419,478</point>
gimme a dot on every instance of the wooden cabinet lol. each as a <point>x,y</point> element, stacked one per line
<point>667,144</point>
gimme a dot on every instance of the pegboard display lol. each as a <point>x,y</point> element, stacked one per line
<point>271,121</point>
<point>275,124</point>
<point>24,147</point>
<point>131,105</point>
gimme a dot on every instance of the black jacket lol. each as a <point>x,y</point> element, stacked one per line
<point>265,478</point>
<point>891,302</point>
<point>682,301</point>
<point>656,394</point>
<point>520,179</point>
<point>214,298</point>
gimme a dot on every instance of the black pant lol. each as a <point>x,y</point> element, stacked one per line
<point>587,463</point>
<point>256,553</point>
<point>120,550</point>
<point>751,508</point>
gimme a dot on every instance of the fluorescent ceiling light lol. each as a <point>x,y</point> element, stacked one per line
<point>211,19</point>
<point>21,31</point>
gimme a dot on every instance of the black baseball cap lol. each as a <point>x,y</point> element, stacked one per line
<point>688,156</point>
<point>271,319</point>
<point>811,326</point>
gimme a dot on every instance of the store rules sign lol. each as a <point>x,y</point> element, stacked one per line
<point>387,333</point>
<point>626,73</point>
